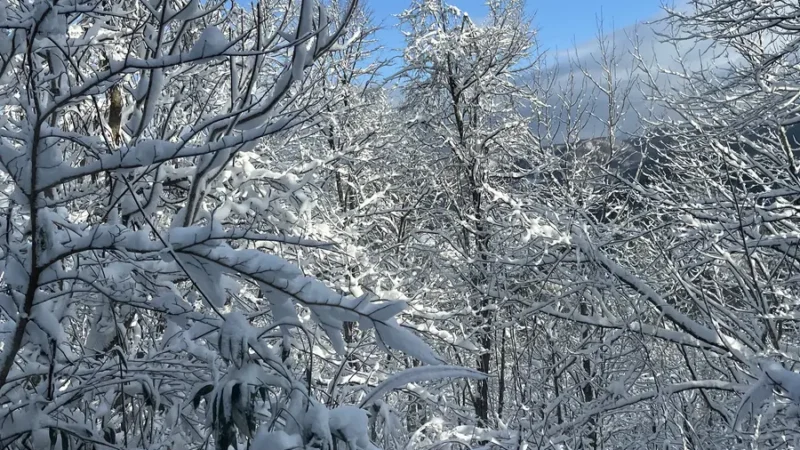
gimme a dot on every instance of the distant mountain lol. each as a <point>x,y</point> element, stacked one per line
<point>637,159</point>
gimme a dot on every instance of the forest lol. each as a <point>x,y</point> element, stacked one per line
<point>251,226</point>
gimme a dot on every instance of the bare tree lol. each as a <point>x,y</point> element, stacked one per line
<point>142,292</point>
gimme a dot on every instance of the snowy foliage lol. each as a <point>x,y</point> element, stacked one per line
<point>231,226</point>
<point>142,291</point>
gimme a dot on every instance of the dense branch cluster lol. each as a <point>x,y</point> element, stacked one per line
<point>231,226</point>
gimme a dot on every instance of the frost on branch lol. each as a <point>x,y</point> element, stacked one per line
<point>210,43</point>
<point>154,293</point>
<point>222,228</point>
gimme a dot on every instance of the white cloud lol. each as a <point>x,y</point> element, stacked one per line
<point>636,47</point>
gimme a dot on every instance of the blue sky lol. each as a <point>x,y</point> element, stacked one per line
<point>561,23</point>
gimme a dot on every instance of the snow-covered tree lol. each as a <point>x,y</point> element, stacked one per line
<point>145,300</point>
<point>465,98</point>
<point>248,226</point>
<point>728,185</point>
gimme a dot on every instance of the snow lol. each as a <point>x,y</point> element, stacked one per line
<point>207,276</point>
<point>276,440</point>
<point>186,12</point>
<point>210,43</point>
<point>416,375</point>
<point>352,425</point>
<point>147,152</point>
<point>317,424</point>
<point>234,338</point>
<point>148,91</point>
<point>210,251</point>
